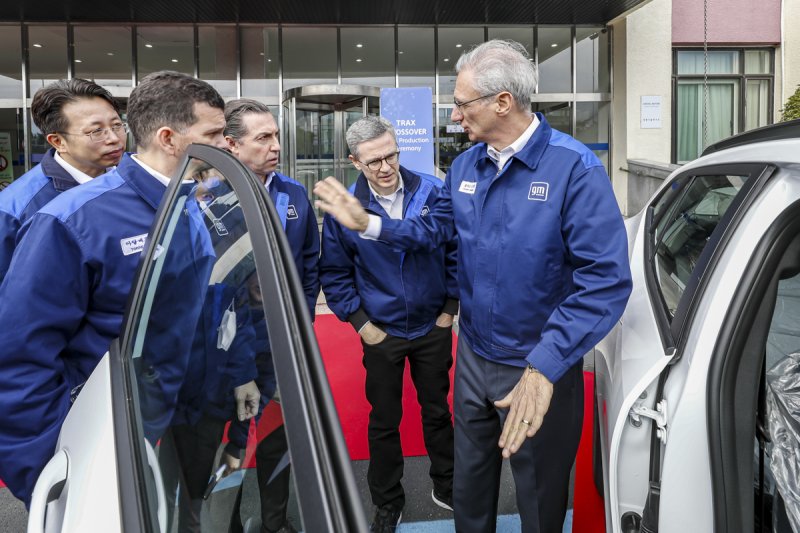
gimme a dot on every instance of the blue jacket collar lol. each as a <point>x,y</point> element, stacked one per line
<point>62,180</point>
<point>532,153</point>
<point>364,194</point>
<point>147,186</point>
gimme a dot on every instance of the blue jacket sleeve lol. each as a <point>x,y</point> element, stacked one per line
<point>42,302</point>
<point>337,274</point>
<point>9,226</point>
<point>311,260</point>
<point>423,233</point>
<point>597,248</point>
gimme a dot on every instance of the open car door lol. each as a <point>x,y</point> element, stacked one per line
<point>142,447</point>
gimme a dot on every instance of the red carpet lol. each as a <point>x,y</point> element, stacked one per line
<point>589,513</point>
<point>341,353</point>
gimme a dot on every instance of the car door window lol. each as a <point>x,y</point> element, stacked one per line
<point>215,296</point>
<point>684,221</point>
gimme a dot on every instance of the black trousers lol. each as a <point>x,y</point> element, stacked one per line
<point>430,358</point>
<point>542,465</point>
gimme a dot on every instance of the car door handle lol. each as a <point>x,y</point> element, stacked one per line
<point>152,460</point>
<point>48,488</point>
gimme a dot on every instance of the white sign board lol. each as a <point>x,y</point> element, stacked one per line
<point>651,112</point>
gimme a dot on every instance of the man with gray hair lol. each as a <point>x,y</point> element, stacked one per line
<point>543,275</point>
<point>402,306</point>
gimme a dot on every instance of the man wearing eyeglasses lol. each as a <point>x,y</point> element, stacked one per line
<point>543,276</point>
<point>80,120</point>
<point>402,305</point>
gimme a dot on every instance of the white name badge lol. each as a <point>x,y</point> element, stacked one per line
<point>133,245</point>
<point>468,187</point>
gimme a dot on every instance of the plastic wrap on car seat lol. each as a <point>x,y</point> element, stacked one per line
<point>783,415</point>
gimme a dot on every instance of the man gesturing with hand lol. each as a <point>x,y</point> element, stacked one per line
<point>543,275</point>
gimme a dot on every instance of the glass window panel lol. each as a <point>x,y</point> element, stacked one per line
<point>451,139</point>
<point>522,35</point>
<point>757,62</point>
<point>47,52</point>
<point>165,48</point>
<point>103,54</point>
<point>10,62</point>
<point>217,57</point>
<point>452,43</point>
<point>260,61</point>
<point>557,114</point>
<point>719,62</point>
<point>555,60</point>
<point>756,104</point>
<point>309,56</point>
<point>368,56</point>
<point>11,124</point>
<point>681,236</point>
<point>592,126</point>
<point>723,96</point>
<point>204,284</point>
<point>592,68</point>
<point>416,61</point>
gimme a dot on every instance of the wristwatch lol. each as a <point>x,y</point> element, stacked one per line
<point>532,369</point>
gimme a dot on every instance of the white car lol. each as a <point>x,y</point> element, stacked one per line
<point>698,386</point>
<point>118,465</point>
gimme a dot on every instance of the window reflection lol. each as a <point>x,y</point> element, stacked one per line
<point>452,43</point>
<point>217,57</point>
<point>368,56</point>
<point>47,55</point>
<point>10,65</point>
<point>260,61</point>
<point>416,61</point>
<point>555,59</point>
<point>103,55</point>
<point>165,48</point>
<point>309,56</point>
<point>592,68</point>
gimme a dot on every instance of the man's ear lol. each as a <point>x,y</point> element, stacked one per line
<point>504,103</point>
<point>354,161</point>
<point>233,146</point>
<point>57,141</point>
<point>165,139</point>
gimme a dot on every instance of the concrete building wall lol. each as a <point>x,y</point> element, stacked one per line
<point>642,67</point>
<point>729,22</point>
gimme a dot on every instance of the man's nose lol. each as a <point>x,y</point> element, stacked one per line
<point>456,115</point>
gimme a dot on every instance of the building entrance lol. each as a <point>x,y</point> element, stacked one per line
<point>315,119</point>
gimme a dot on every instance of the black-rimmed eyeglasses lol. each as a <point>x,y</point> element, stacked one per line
<point>462,105</point>
<point>376,164</point>
<point>101,134</point>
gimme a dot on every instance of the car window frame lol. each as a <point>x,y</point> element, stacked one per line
<point>327,493</point>
<point>672,328</point>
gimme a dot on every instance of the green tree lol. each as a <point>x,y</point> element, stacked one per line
<point>791,110</point>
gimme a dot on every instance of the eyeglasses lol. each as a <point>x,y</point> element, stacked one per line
<point>101,134</point>
<point>462,105</point>
<point>376,164</point>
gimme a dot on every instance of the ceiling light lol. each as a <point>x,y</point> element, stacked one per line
<point>399,51</point>
<point>458,45</point>
<point>174,60</point>
<point>78,61</point>
<point>148,45</point>
<point>554,45</point>
<point>269,61</point>
<point>358,60</point>
<point>109,53</point>
<point>359,45</point>
<point>37,45</point>
<point>261,53</point>
<point>446,59</point>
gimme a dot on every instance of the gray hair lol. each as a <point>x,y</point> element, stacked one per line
<point>235,110</point>
<point>365,129</point>
<point>501,65</point>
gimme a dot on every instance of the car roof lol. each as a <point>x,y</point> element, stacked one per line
<point>773,132</point>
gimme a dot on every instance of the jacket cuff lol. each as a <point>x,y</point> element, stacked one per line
<point>450,306</point>
<point>358,319</point>
<point>233,450</point>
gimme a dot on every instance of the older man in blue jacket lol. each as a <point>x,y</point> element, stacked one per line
<point>402,305</point>
<point>80,120</point>
<point>543,275</point>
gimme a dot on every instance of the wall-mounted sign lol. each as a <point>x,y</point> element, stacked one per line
<point>410,111</point>
<point>6,162</point>
<point>651,112</point>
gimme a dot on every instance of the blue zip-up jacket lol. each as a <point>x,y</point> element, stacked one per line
<point>302,232</point>
<point>402,292</point>
<point>543,265</point>
<point>61,305</point>
<point>24,197</point>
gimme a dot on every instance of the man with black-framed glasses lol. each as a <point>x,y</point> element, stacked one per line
<point>80,121</point>
<point>402,306</point>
